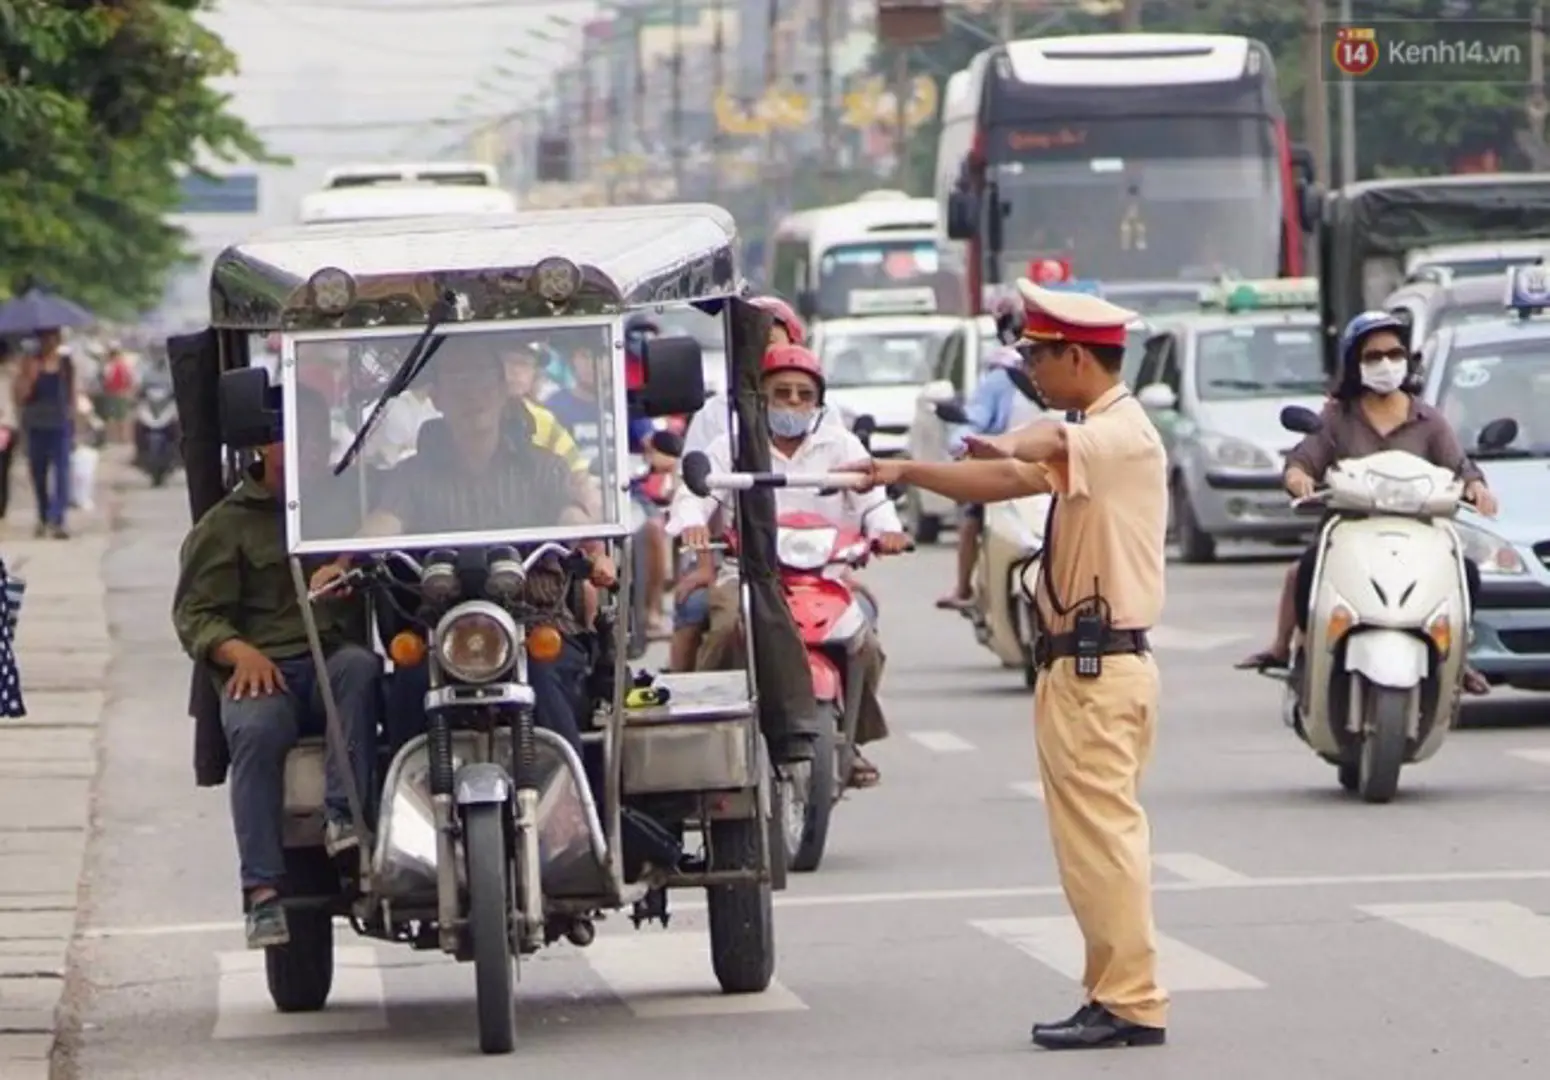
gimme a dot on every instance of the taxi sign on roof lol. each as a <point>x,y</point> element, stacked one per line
<point>1528,289</point>
<point>1263,295</point>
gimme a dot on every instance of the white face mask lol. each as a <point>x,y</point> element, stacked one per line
<point>1384,376</point>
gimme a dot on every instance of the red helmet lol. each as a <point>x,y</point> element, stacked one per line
<point>794,358</point>
<point>784,316</point>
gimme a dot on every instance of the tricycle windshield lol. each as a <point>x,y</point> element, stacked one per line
<point>466,454</point>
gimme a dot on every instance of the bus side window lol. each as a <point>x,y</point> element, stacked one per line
<point>790,273</point>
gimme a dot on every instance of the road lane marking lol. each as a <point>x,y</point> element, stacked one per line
<point>1029,789</point>
<point>941,742</point>
<point>1056,942</point>
<point>1537,756</point>
<point>1012,892</point>
<point>667,975</point>
<point>1197,868</point>
<point>1507,935</point>
<point>243,1010</point>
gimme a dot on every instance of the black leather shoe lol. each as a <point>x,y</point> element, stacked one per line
<point>1095,1029</point>
<point>1078,1017</point>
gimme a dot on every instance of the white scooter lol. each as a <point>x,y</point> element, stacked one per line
<point>1375,683</point>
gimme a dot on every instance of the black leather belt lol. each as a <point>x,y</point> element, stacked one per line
<point>1051,647</point>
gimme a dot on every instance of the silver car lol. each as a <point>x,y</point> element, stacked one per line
<point>1215,385</point>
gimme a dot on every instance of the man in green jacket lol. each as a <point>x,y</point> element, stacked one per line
<point>235,607</point>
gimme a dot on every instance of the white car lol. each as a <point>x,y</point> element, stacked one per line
<point>877,365</point>
<point>954,375</point>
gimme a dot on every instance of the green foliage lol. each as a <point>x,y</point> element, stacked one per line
<point>1402,129</point>
<point>103,107</point>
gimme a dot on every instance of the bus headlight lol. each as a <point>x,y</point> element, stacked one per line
<point>476,642</point>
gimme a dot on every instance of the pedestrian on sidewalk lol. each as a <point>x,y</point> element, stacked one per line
<point>90,434</point>
<point>11,706</point>
<point>9,426</point>
<point>45,394</point>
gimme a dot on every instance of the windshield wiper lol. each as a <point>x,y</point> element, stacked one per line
<point>1236,384</point>
<point>1312,386</point>
<point>419,355</point>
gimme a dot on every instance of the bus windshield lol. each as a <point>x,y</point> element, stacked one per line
<point>1143,198</point>
<point>882,277</point>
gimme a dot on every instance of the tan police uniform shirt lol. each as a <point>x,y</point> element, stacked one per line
<point>1111,516</point>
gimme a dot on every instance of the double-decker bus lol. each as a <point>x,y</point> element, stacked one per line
<point>1130,159</point>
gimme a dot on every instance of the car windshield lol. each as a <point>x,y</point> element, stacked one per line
<point>1509,380</point>
<point>1257,362</point>
<point>877,359</point>
<point>1459,314</point>
<point>453,459</point>
<point>878,277</point>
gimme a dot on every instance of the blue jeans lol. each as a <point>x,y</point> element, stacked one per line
<point>559,692</point>
<point>48,452</point>
<point>693,611</point>
<point>261,731</point>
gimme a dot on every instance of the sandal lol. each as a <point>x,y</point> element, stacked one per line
<point>1475,683</point>
<point>1264,660</point>
<point>953,602</point>
<point>863,774</point>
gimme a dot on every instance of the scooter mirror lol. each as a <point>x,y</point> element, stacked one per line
<point>696,471</point>
<point>1304,421</point>
<point>669,443</point>
<point>864,427</point>
<point>951,412</point>
<point>1498,434</point>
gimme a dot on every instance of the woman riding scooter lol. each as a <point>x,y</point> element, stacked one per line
<point>1373,409</point>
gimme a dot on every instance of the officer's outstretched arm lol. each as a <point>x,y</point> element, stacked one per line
<point>977,481</point>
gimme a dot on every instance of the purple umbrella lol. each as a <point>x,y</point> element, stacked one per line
<point>36,310</point>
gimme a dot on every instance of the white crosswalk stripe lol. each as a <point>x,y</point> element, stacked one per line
<point>1508,935</point>
<point>942,742</point>
<point>1056,942</point>
<point>1179,639</point>
<point>243,1009</point>
<point>669,974</point>
<point>1538,755</point>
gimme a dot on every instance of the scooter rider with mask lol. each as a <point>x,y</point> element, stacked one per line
<point>989,412</point>
<point>1374,408</point>
<point>801,441</point>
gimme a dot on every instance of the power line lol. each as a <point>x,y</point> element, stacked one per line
<point>417,7</point>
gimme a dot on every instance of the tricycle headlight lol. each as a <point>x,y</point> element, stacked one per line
<point>476,642</point>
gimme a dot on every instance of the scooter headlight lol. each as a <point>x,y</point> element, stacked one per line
<point>1395,495</point>
<point>476,642</point>
<point>805,549</point>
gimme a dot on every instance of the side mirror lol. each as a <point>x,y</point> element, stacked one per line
<point>864,427</point>
<point>669,443</point>
<point>250,409</point>
<point>938,391</point>
<point>1301,420</point>
<point>696,471</point>
<point>994,213</point>
<point>1304,169</point>
<point>1310,206</point>
<point>807,303</point>
<point>962,209</point>
<point>1497,434</point>
<point>674,383</point>
<point>951,412</point>
<point>1158,396</point>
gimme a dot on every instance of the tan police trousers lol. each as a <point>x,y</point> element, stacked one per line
<point>1095,738</point>
<point>721,649</point>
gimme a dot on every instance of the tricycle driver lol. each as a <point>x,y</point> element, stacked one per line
<point>236,607</point>
<point>477,468</point>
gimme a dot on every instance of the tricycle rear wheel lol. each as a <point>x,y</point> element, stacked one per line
<point>489,925</point>
<point>301,974</point>
<point>742,917</point>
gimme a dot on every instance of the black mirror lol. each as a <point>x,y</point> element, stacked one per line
<point>951,412</point>
<point>250,409</point>
<point>1301,420</point>
<point>1498,434</point>
<point>675,378</point>
<point>864,427</point>
<point>1019,379</point>
<point>696,471</point>
<point>807,303</point>
<point>994,213</point>
<point>1310,206</point>
<point>1304,168</point>
<point>669,443</point>
<point>961,212</point>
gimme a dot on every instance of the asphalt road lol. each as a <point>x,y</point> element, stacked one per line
<point>1304,934</point>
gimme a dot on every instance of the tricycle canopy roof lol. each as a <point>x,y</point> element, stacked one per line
<point>495,267</point>
<point>1367,228</point>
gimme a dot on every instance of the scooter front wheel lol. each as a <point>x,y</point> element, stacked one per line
<point>1385,731</point>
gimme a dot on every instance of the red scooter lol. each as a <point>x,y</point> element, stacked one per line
<point>815,559</point>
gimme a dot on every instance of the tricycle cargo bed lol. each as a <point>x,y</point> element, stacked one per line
<point>702,738</point>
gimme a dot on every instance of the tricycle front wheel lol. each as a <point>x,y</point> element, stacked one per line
<point>489,925</point>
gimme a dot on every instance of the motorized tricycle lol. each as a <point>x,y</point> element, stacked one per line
<point>1375,682</point>
<point>487,836</point>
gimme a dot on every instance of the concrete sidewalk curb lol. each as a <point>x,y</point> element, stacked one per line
<point>48,770</point>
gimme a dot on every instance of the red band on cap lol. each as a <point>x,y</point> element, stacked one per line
<point>1042,327</point>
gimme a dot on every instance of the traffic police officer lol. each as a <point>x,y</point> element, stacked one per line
<point>1100,589</point>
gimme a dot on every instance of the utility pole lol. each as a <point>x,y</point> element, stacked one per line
<point>1536,108</point>
<point>826,91</point>
<point>1008,29</point>
<point>718,88</point>
<point>1130,17</point>
<point>771,67</point>
<point>1315,97</point>
<point>677,148</point>
<point>1347,113</point>
<point>901,101</point>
